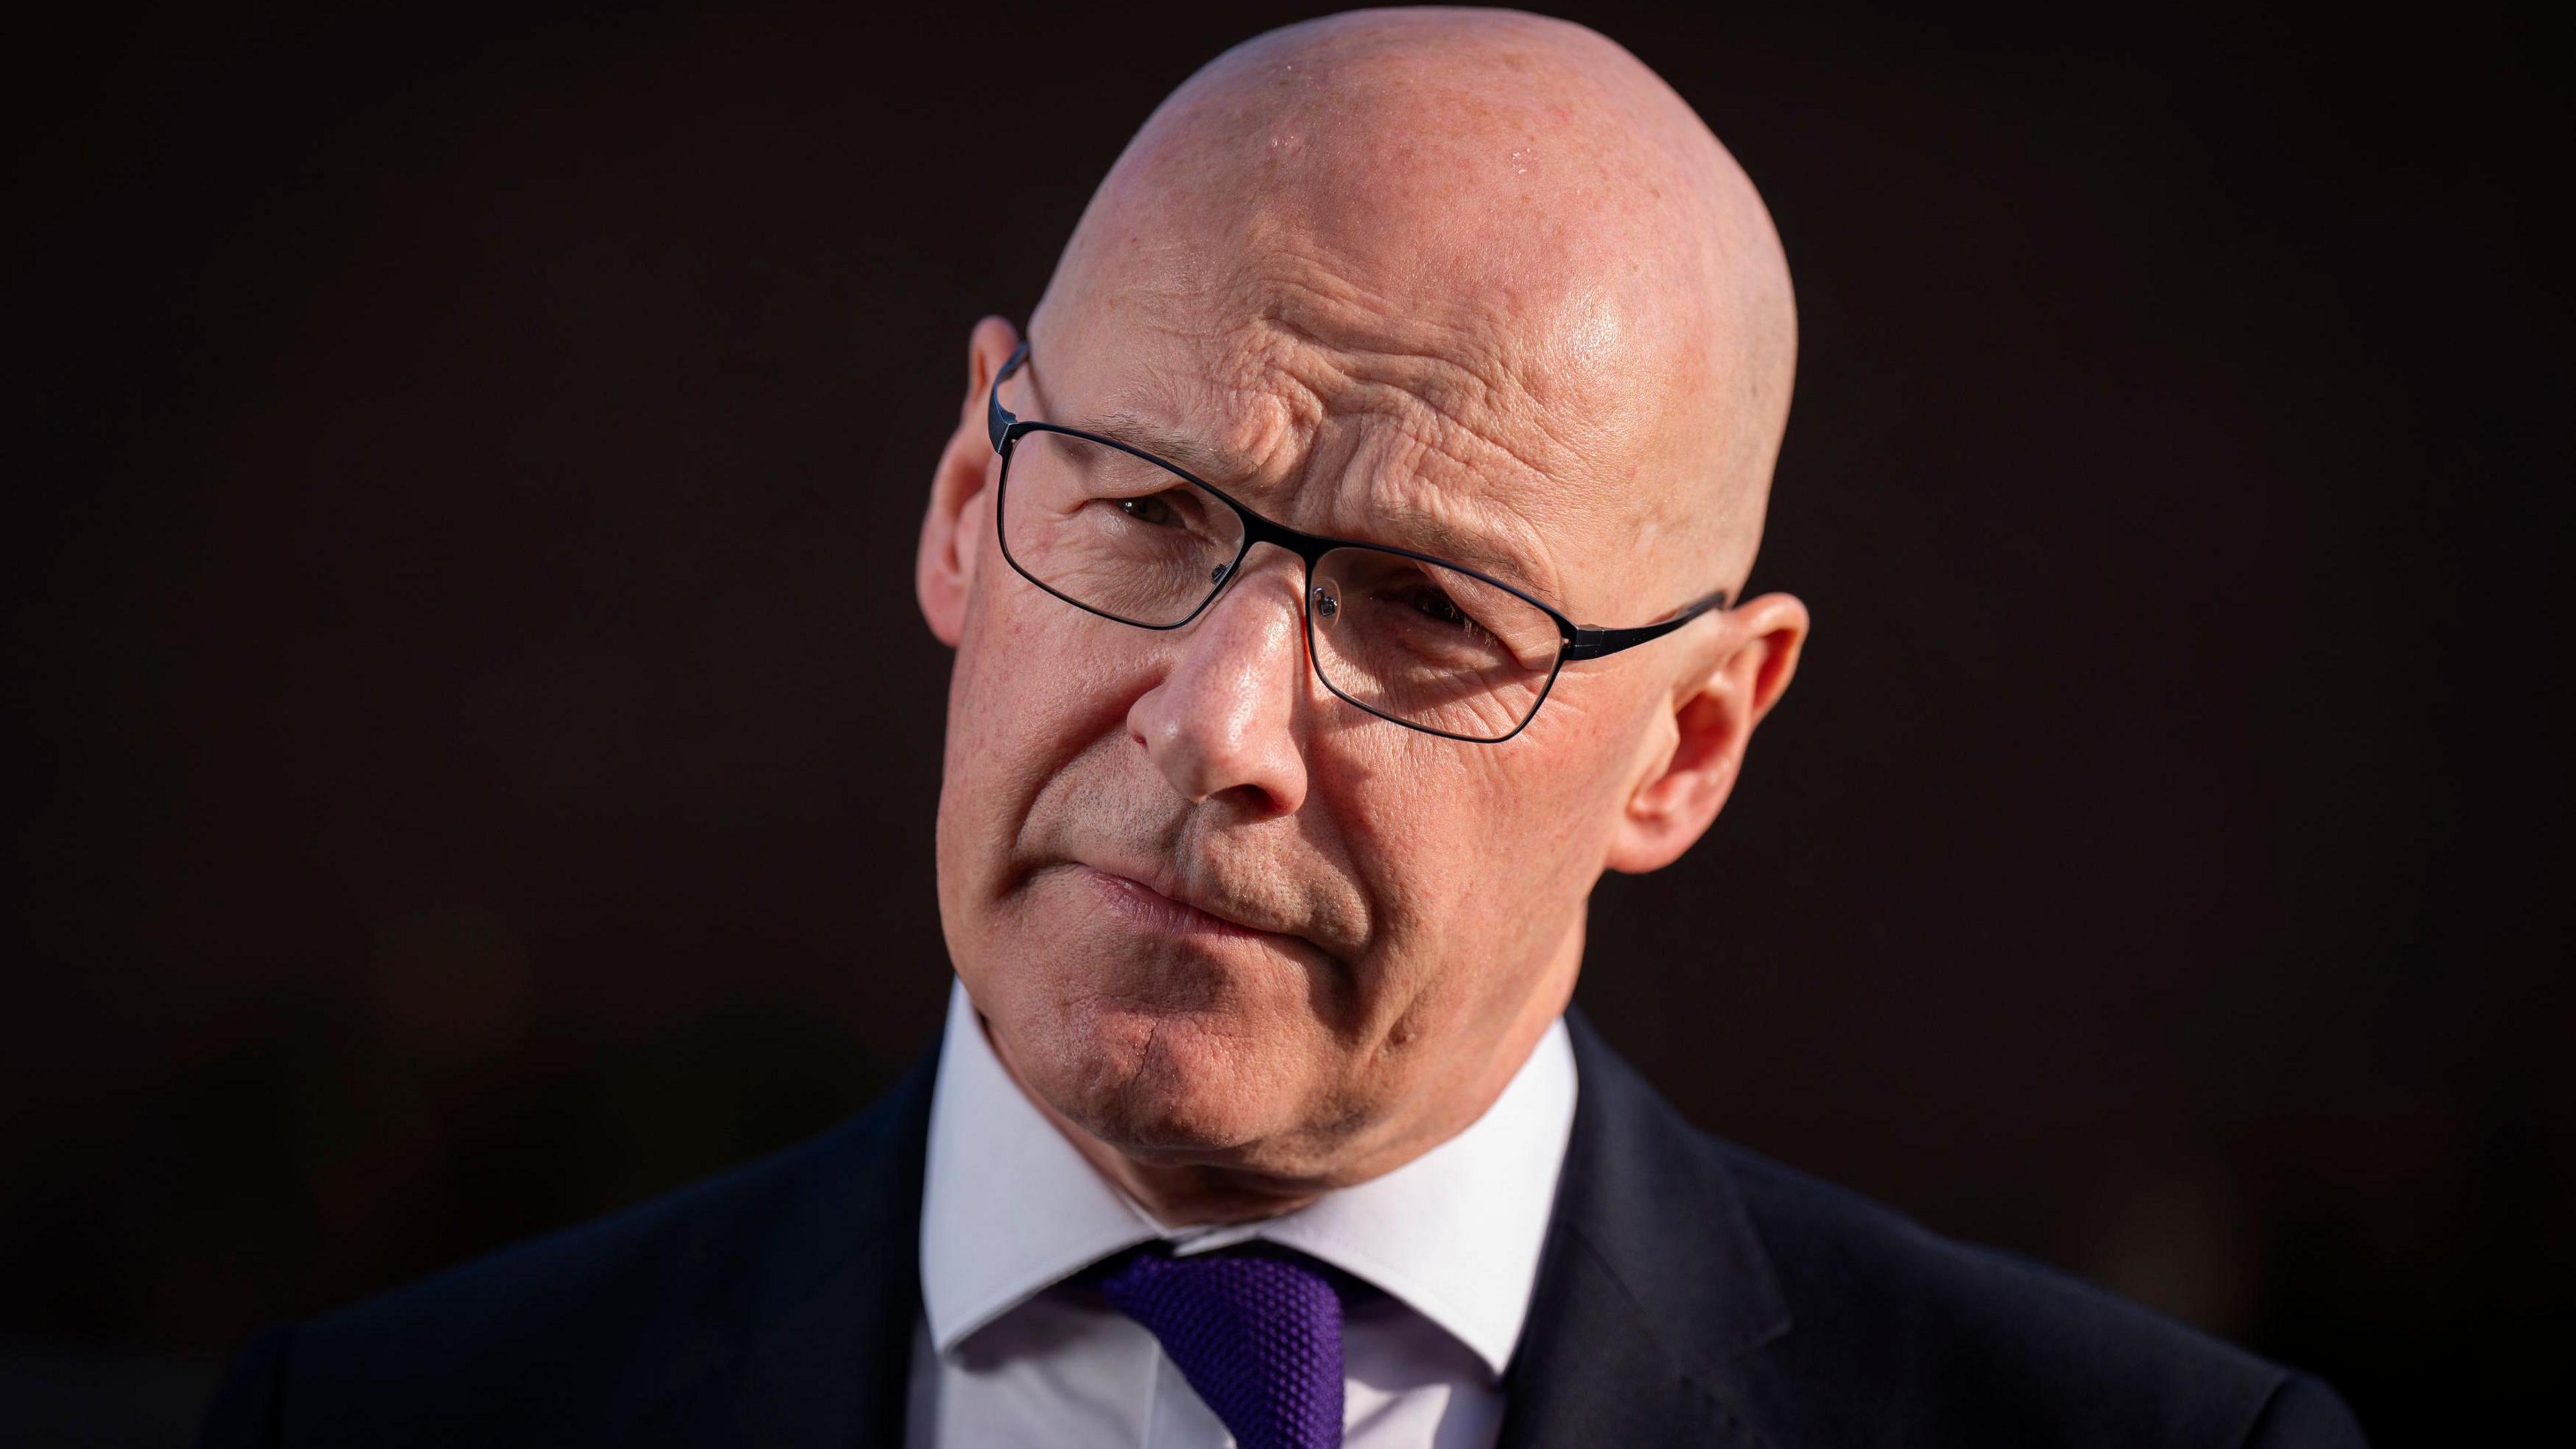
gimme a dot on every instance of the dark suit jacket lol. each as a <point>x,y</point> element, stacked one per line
<point>1691,1293</point>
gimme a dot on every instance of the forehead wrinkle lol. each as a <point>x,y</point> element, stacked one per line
<point>1497,363</point>
<point>1401,507</point>
<point>1477,529</point>
<point>1306,434</point>
<point>1507,389</point>
<point>1427,447</point>
<point>1309,480</point>
<point>1228,430</point>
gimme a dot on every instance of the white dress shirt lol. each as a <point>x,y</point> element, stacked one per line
<point>1009,1209</point>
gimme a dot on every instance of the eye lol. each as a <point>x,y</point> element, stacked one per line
<point>1436,605</point>
<point>1152,510</point>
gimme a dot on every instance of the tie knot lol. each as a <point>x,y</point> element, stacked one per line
<point>1257,1334</point>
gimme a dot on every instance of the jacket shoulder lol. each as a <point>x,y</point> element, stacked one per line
<point>568,1337</point>
<point>1972,1344</point>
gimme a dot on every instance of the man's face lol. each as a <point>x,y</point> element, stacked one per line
<point>1210,912</point>
<point>1507,305</point>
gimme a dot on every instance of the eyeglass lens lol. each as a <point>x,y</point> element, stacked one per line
<point>1402,637</point>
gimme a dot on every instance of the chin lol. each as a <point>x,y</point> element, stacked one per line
<point>1162,1080</point>
<point>1163,1046</point>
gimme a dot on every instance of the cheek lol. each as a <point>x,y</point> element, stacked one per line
<point>1030,691</point>
<point>1569,791</point>
<point>1471,851</point>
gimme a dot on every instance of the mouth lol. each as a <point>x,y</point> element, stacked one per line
<point>1171,916</point>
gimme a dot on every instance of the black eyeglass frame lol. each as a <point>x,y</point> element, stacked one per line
<point>1575,641</point>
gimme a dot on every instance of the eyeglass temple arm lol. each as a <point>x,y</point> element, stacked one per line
<point>997,418</point>
<point>1593,643</point>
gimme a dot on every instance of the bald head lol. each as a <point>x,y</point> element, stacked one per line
<point>1499,236</point>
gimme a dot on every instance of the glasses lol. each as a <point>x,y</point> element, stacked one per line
<point>1425,643</point>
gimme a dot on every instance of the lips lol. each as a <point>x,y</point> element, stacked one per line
<point>1170,908</point>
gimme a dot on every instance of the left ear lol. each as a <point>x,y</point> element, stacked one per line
<point>1714,713</point>
<point>954,527</point>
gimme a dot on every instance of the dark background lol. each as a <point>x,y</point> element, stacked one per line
<point>473,749</point>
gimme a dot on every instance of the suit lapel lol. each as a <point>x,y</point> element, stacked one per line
<point>824,1355</point>
<point>1654,1289</point>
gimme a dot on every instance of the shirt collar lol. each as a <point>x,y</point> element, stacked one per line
<point>1009,1208</point>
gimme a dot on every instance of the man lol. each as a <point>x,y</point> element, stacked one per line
<point>1344,571</point>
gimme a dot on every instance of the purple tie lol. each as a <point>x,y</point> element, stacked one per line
<point>1259,1337</point>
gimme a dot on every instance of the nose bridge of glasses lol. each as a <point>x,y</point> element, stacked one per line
<point>1258,530</point>
<point>1306,548</point>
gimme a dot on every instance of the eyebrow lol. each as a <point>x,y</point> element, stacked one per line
<point>1197,455</point>
<point>1222,466</point>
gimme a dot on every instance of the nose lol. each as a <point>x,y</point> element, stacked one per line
<point>1222,721</point>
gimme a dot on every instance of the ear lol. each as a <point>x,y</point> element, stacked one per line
<point>1714,713</point>
<point>961,495</point>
